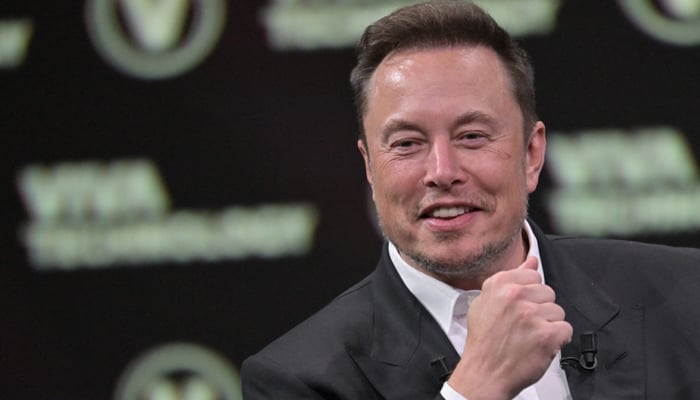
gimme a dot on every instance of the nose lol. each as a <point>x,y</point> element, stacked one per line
<point>443,169</point>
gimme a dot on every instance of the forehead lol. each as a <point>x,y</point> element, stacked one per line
<point>432,79</point>
<point>458,68</point>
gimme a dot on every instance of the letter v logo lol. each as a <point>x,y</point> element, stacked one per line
<point>156,24</point>
<point>165,37</point>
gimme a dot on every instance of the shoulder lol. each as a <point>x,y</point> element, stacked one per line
<point>624,265</point>
<point>313,356</point>
<point>623,250</point>
<point>603,256</point>
<point>341,325</point>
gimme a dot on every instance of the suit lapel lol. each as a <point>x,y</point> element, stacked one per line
<point>404,360</point>
<point>589,308</point>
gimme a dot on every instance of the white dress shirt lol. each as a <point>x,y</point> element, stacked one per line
<point>449,307</point>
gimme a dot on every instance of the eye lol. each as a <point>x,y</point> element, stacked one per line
<point>406,145</point>
<point>473,138</point>
<point>472,135</point>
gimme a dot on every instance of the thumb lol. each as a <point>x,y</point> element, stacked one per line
<point>529,263</point>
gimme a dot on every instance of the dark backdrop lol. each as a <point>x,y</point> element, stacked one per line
<point>252,125</point>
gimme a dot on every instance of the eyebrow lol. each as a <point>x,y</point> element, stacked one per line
<point>396,125</point>
<point>474,116</point>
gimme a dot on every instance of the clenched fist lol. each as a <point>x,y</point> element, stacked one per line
<point>515,330</point>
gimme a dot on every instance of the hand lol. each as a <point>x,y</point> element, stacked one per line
<point>515,330</point>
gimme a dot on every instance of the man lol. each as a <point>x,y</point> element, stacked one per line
<point>470,299</point>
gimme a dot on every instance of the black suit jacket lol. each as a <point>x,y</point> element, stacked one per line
<point>376,341</point>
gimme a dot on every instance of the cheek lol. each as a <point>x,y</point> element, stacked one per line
<point>398,176</point>
<point>395,192</point>
<point>497,175</point>
<point>388,195</point>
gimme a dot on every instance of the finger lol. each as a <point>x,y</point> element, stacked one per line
<point>529,263</point>
<point>552,335</point>
<point>564,332</point>
<point>538,293</point>
<point>549,312</point>
<point>518,276</point>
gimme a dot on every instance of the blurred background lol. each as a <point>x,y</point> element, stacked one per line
<point>181,183</point>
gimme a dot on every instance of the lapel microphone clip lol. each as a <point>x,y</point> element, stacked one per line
<point>588,360</point>
<point>441,365</point>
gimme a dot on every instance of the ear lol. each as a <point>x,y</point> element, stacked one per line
<point>535,156</point>
<point>365,156</point>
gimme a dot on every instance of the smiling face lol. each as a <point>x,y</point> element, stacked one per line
<point>447,161</point>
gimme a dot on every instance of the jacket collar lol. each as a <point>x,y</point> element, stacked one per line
<point>408,347</point>
<point>591,306</point>
<point>588,309</point>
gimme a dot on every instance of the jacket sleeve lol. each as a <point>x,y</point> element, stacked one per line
<point>263,379</point>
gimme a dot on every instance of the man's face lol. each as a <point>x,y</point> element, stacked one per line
<point>446,158</point>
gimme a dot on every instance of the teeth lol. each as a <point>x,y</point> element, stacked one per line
<point>448,212</point>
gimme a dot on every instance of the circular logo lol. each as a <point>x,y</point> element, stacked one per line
<point>671,21</point>
<point>179,371</point>
<point>155,40</point>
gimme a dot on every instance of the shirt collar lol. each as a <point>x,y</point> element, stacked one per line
<point>440,298</point>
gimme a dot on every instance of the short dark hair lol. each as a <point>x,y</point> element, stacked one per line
<point>442,24</point>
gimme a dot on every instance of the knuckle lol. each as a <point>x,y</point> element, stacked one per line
<point>513,293</point>
<point>526,312</point>
<point>548,335</point>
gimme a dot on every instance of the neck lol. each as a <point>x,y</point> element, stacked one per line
<point>512,257</point>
